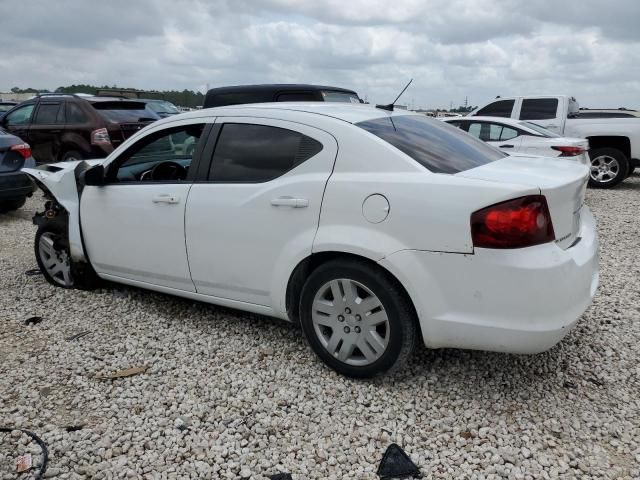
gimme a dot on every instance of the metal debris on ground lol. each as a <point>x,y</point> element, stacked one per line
<point>23,463</point>
<point>24,460</point>
<point>33,320</point>
<point>397,464</point>
<point>77,335</point>
<point>127,372</point>
<point>33,272</point>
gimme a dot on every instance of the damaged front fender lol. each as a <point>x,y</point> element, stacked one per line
<point>61,181</point>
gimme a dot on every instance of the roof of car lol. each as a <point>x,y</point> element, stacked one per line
<point>348,112</point>
<point>275,87</point>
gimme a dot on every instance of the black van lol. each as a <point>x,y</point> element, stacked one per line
<point>239,94</point>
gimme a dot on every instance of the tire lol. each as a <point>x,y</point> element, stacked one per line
<point>51,248</point>
<point>71,155</point>
<point>12,204</point>
<point>366,350</point>
<point>609,167</point>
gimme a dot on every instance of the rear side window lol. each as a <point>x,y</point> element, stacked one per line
<point>437,146</point>
<point>75,114</point>
<point>538,108</point>
<point>47,114</point>
<point>20,116</point>
<point>258,153</point>
<point>239,98</point>
<point>501,108</point>
<point>333,96</point>
<point>125,112</point>
<point>297,97</point>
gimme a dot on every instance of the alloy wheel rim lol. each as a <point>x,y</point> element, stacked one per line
<point>55,261</point>
<point>350,322</point>
<point>604,169</point>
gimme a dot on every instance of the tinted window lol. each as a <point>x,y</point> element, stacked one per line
<point>538,108</point>
<point>47,113</point>
<point>437,146</point>
<point>21,116</point>
<point>123,112</point>
<point>333,96</point>
<point>258,153</point>
<point>176,144</point>
<point>297,97</point>
<point>222,99</point>
<point>501,108</point>
<point>75,113</point>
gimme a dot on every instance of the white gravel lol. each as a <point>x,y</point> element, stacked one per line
<point>231,395</point>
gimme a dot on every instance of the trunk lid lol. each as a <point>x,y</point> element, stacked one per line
<point>563,184</point>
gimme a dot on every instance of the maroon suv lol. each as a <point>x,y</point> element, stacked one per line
<point>61,127</point>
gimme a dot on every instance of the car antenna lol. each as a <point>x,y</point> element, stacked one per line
<point>390,106</point>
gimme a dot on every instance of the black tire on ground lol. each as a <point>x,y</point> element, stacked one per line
<point>82,275</point>
<point>70,155</point>
<point>12,204</point>
<point>599,156</point>
<point>402,320</point>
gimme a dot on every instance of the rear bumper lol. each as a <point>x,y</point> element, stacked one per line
<point>15,185</point>
<point>517,301</point>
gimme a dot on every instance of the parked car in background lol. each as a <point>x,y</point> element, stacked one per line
<point>240,94</point>
<point>614,142</point>
<point>162,108</point>
<point>607,113</point>
<point>521,136</point>
<point>371,228</point>
<point>15,186</point>
<point>62,127</point>
<point>6,105</point>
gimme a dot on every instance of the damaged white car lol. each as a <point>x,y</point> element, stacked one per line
<point>370,228</point>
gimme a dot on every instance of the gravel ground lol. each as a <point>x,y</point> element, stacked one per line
<point>231,395</point>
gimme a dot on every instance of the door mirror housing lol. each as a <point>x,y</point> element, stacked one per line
<point>94,176</point>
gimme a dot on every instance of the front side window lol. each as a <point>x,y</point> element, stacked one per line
<point>437,146</point>
<point>47,114</point>
<point>501,108</point>
<point>21,116</point>
<point>247,153</point>
<point>163,156</point>
<point>538,108</point>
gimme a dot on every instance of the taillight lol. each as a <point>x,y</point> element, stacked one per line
<point>100,137</point>
<point>21,148</point>
<point>569,151</point>
<point>517,223</point>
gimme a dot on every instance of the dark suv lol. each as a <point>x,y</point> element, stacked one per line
<point>61,127</point>
<point>223,96</point>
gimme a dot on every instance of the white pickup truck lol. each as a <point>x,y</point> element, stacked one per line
<point>614,142</point>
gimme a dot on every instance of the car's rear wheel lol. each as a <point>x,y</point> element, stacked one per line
<point>71,155</point>
<point>357,318</point>
<point>12,204</point>
<point>609,167</point>
<point>54,259</point>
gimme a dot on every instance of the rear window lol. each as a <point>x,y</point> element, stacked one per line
<point>124,112</point>
<point>439,147</point>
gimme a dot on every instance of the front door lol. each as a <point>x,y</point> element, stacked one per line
<point>133,227</point>
<point>18,121</point>
<point>257,209</point>
<point>46,130</point>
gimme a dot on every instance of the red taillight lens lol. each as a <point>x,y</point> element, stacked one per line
<point>22,148</point>
<point>569,151</point>
<point>517,223</point>
<point>100,137</point>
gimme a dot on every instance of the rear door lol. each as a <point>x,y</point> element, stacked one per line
<point>501,136</point>
<point>46,130</point>
<point>255,210</point>
<point>18,121</point>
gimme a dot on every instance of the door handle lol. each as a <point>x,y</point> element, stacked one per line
<point>506,146</point>
<point>164,198</point>
<point>290,202</point>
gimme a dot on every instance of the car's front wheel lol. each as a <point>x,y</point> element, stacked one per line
<point>53,257</point>
<point>609,167</point>
<point>357,318</point>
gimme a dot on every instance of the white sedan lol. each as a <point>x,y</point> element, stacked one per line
<point>370,228</point>
<point>520,136</point>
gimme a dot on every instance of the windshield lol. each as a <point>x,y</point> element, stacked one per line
<point>333,96</point>
<point>162,106</point>
<point>125,112</point>
<point>439,147</point>
<point>541,130</point>
<point>5,107</point>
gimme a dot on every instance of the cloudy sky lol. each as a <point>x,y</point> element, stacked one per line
<point>451,48</point>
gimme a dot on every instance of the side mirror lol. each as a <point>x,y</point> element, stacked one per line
<point>94,176</point>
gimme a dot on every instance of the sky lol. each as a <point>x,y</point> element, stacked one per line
<point>453,49</point>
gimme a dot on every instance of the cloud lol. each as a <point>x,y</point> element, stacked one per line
<point>452,48</point>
